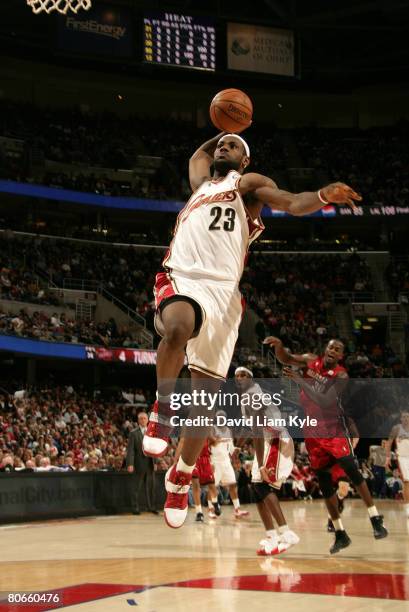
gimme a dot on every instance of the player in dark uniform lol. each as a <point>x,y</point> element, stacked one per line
<point>322,382</point>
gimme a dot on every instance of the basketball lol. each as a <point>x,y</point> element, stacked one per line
<point>231,110</point>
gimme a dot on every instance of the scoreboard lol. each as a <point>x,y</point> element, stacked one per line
<point>179,40</point>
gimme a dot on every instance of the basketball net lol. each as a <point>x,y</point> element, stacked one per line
<point>62,6</point>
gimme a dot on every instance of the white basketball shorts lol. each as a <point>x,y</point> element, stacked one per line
<point>404,468</point>
<point>211,351</point>
<point>283,465</point>
<point>224,473</point>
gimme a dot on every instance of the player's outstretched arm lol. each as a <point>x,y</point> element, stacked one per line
<point>201,162</point>
<point>264,190</point>
<point>284,356</point>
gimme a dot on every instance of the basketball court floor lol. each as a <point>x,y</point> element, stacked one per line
<point>127,562</point>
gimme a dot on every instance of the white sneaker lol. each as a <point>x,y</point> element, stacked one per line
<point>177,486</point>
<point>289,538</point>
<point>270,546</point>
<point>212,514</point>
<point>239,513</point>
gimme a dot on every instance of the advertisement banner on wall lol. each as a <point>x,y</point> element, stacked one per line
<point>104,30</point>
<point>135,356</point>
<point>33,495</point>
<point>259,49</point>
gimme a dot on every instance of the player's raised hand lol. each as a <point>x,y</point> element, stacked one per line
<point>340,193</point>
<point>272,341</point>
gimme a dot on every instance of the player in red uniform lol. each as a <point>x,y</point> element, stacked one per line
<point>328,443</point>
<point>203,476</point>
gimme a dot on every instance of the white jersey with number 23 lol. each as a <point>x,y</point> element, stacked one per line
<point>213,233</point>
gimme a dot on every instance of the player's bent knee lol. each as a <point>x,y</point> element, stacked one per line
<point>325,483</point>
<point>351,469</point>
<point>178,333</point>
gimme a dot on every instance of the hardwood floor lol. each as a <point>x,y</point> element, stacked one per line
<point>112,563</point>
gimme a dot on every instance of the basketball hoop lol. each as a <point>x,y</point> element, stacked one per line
<point>62,6</point>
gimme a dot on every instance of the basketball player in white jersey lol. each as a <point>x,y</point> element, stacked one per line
<point>197,297</point>
<point>221,449</point>
<point>400,433</point>
<point>275,455</point>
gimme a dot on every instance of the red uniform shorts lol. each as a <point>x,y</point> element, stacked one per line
<point>324,452</point>
<point>203,470</point>
<point>163,288</point>
<point>337,474</point>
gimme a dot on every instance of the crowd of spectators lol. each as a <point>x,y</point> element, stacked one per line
<point>81,182</point>
<point>397,276</point>
<point>378,360</point>
<point>126,272</point>
<point>18,282</point>
<point>60,328</point>
<point>292,295</point>
<point>344,244</point>
<point>374,161</point>
<point>132,231</point>
<point>73,136</point>
<point>139,187</point>
<point>61,429</point>
<point>86,226</point>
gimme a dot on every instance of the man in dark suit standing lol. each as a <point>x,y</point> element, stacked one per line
<point>141,467</point>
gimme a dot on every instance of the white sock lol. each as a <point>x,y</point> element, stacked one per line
<point>181,466</point>
<point>338,525</point>
<point>199,509</point>
<point>406,506</point>
<point>210,505</point>
<point>372,511</point>
<point>214,501</point>
<point>271,533</point>
<point>236,503</point>
<point>283,529</point>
